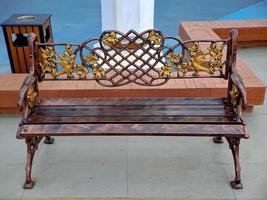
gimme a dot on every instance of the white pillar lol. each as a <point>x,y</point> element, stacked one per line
<point>124,15</point>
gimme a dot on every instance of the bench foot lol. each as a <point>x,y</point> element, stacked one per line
<point>237,185</point>
<point>234,146</point>
<point>217,140</point>
<point>28,185</point>
<point>32,145</point>
<point>49,140</point>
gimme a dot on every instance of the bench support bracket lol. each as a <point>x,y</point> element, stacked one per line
<point>234,146</point>
<point>218,140</point>
<point>32,145</point>
<point>49,140</point>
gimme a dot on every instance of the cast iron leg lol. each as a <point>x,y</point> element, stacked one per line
<point>234,146</point>
<point>32,144</point>
<point>217,140</point>
<point>49,140</point>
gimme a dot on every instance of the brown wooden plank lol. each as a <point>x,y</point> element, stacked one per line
<point>133,110</point>
<point>129,101</point>
<point>131,129</point>
<point>20,52</point>
<point>35,29</point>
<point>39,119</point>
<point>13,50</point>
<point>26,50</point>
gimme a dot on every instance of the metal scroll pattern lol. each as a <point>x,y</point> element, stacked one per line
<point>31,96</point>
<point>148,58</point>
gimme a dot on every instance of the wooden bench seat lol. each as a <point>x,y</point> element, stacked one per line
<point>166,110</point>
<point>145,59</point>
<point>159,117</point>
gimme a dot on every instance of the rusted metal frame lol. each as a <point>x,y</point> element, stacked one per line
<point>235,81</point>
<point>160,78</point>
<point>145,62</point>
<point>44,45</point>
<point>29,90</point>
<point>131,53</point>
<point>137,35</point>
<point>100,56</point>
<point>138,67</point>
<point>113,68</point>
<point>228,58</point>
<point>223,41</point>
<point>32,145</point>
<point>234,146</point>
<point>58,44</point>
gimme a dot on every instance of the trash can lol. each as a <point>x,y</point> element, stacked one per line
<point>16,30</point>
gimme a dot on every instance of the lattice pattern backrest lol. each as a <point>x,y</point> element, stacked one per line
<point>148,58</point>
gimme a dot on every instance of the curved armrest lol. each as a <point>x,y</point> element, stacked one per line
<point>237,92</point>
<point>28,92</point>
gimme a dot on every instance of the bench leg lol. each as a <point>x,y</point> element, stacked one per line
<point>32,145</point>
<point>49,140</point>
<point>218,140</point>
<point>234,146</point>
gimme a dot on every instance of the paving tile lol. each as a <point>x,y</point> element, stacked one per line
<point>254,179</point>
<point>80,180</point>
<point>186,149</point>
<point>171,179</point>
<point>83,150</point>
<point>11,180</point>
<point>176,167</point>
<point>12,150</point>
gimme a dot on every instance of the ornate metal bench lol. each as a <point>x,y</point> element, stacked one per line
<point>148,59</point>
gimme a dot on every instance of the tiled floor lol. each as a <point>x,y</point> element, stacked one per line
<point>140,166</point>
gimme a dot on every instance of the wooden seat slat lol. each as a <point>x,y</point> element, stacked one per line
<point>131,129</point>
<point>39,119</point>
<point>135,110</point>
<point>179,110</point>
<point>142,101</point>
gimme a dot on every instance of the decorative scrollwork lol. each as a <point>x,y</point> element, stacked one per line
<point>97,71</point>
<point>173,57</point>
<point>31,96</point>
<point>147,58</point>
<point>234,95</point>
<point>216,55</point>
<point>91,59</point>
<point>110,39</point>
<point>49,61</point>
<point>67,60</point>
<point>208,62</point>
<point>166,70</point>
<point>155,37</point>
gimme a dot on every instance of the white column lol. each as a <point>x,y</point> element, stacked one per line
<point>108,14</point>
<point>146,15</point>
<point>124,15</point>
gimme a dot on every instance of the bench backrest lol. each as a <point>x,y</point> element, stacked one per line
<point>148,58</point>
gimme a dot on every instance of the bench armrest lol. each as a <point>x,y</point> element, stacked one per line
<point>237,97</point>
<point>236,87</point>
<point>28,92</point>
<point>29,89</point>
<point>237,92</point>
